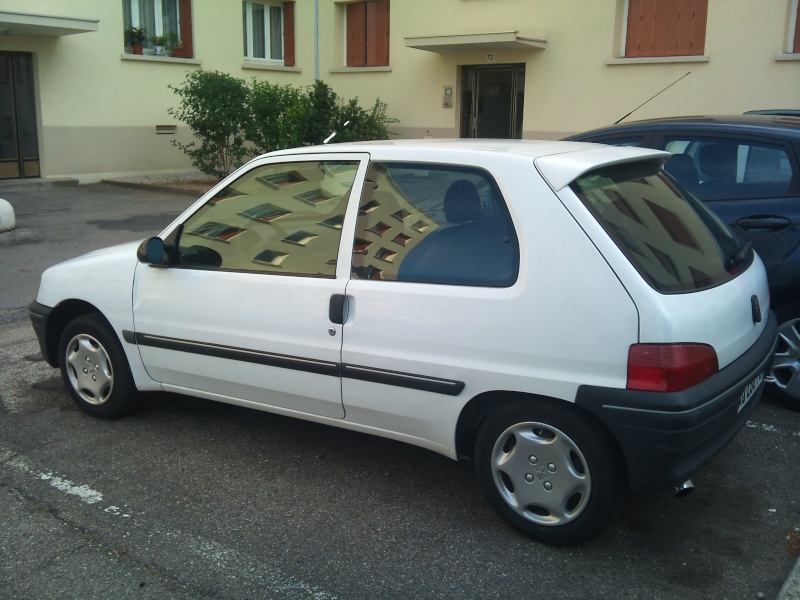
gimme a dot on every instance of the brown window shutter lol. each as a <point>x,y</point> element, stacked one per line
<point>796,45</point>
<point>666,28</point>
<point>689,37</point>
<point>288,34</point>
<point>185,24</point>
<point>377,33</point>
<point>356,35</point>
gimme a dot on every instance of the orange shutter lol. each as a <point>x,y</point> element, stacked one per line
<point>796,46</point>
<point>356,35</point>
<point>288,34</point>
<point>377,33</point>
<point>185,25</point>
<point>666,28</point>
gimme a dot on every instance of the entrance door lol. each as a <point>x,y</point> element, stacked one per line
<point>19,146</point>
<point>492,101</point>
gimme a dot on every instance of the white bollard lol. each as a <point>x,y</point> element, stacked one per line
<point>7,221</point>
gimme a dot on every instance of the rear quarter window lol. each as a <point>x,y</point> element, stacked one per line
<point>674,242</point>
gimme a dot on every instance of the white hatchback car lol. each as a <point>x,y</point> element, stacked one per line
<point>555,310</point>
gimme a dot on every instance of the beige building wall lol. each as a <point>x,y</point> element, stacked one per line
<point>98,108</point>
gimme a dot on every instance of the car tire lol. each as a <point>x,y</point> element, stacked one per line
<point>94,368</point>
<point>548,470</point>
<point>785,373</point>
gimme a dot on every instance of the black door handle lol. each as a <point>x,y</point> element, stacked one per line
<point>336,308</point>
<point>763,222</point>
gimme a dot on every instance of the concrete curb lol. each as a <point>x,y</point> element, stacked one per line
<point>791,587</point>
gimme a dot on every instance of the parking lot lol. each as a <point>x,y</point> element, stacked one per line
<point>191,499</point>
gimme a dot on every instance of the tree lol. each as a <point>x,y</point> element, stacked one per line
<point>216,107</point>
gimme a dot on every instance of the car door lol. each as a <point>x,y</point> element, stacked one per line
<point>434,250</point>
<point>241,314</point>
<point>750,182</point>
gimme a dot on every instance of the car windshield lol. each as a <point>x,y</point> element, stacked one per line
<point>673,240</point>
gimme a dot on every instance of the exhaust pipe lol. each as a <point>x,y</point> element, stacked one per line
<point>684,489</point>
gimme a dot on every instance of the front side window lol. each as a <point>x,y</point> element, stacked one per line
<point>674,241</point>
<point>280,218</point>
<point>432,223</point>
<point>730,168</point>
<point>267,29</point>
<point>367,32</point>
<point>665,28</point>
<point>166,25</point>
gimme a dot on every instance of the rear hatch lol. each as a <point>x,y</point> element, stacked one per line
<point>691,279</point>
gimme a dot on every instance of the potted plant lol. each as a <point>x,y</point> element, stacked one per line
<point>135,38</point>
<point>174,44</point>
<point>158,43</point>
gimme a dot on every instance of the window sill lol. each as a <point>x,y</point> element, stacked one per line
<point>789,57</point>
<point>385,69</point>
<point>266,66</point>
<point>657,60</point>
<point>160,59</point>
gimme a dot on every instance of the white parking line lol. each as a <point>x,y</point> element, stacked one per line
<point>83,492</point>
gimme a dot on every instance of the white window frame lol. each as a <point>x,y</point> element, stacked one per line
<point>158,9</point>
<point>793,24</point>
<point>248,27</point>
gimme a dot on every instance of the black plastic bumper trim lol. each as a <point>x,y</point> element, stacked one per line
<point>667,437</point>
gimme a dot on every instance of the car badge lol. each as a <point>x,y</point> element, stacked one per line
<point>756,309</point>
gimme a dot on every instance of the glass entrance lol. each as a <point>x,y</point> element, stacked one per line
<point>492,99</point>
<point>19,144</point>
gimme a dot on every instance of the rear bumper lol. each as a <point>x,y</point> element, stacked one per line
<point>667,437</point>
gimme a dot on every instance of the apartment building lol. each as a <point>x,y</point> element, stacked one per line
<point>78,99</point>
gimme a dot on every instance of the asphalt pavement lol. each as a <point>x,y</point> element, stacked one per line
<point>55,223</point>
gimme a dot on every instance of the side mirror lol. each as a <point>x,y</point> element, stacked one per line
<point>151,252</point>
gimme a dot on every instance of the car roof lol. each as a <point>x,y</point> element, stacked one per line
<point>559,162</point>
<point>780,126</point>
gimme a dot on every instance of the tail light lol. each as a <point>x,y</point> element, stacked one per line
<point>669,367</point>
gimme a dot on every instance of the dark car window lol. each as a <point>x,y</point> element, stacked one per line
<point>728,168</point>
<point>433,223</point>
<point>676,243</point>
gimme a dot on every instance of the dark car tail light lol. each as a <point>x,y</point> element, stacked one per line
<point>669,367</point>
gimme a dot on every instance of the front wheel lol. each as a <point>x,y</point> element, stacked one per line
<point>549,471</point>
<point>94,368</point>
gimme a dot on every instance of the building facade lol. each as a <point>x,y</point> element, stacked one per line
<point>77,99</point>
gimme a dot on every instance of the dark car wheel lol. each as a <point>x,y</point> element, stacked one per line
<point>785,375</point>
<point>94,368</point>
<point>549,471</point>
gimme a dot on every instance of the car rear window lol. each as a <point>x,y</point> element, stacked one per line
<point>676,243</point>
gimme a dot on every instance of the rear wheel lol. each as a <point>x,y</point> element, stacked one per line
<point>785,374</point>
<point>94,368</point>
<point>549,471</point>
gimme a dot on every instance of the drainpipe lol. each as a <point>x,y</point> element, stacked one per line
<point>316,40</point>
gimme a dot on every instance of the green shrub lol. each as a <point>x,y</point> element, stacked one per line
<point>216,107</point>
<point>279,116</point>
<point>231,120</point>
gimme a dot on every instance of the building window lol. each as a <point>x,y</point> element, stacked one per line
<point>794,42</point>
<point>666,28</point>
<point>367,31</point>
<point>268,31</point>
<point>168,20</point>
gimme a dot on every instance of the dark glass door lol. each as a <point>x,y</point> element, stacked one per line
<point>492,100</point>
<point>19,145</point>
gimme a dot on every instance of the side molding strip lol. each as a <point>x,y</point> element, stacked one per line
<point>382,376</point>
